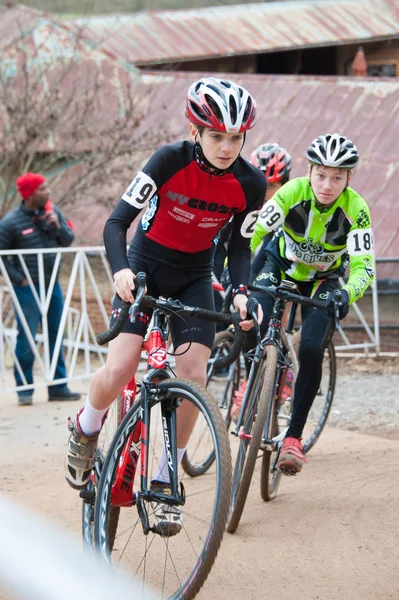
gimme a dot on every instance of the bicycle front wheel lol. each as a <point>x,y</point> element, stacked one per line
<point>251,437</point>
<point>270,476</point>
<point>177,566</point>
<point>108,430</point>
<point>222,384</point>
<point>321,406</point>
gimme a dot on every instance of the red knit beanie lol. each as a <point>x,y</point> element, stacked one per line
<point>28,183</point>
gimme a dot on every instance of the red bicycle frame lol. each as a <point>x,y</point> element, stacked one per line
<point>122,489</point>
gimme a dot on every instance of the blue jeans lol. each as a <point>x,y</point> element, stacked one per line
<point>32,315</point>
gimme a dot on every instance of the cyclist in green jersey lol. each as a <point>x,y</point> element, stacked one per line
<point>322,221</point>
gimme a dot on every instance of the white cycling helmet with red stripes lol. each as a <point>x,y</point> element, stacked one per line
<point>220,104</point>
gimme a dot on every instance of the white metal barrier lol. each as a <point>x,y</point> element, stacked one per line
<point>83,354</point>
<point>372,341</point>
<point>90,277</point>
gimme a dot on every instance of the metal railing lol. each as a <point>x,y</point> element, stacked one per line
<point>81,348</point>
<point>372,333</point>
<point>90,278</point>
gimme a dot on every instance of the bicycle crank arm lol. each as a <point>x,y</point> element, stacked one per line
<point>280,436</point>
<point>143,515</point>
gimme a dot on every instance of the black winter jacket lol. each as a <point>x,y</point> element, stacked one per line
<point>23,229</point>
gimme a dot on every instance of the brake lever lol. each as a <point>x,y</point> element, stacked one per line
<point>139,286</point>
<point>337,305</point>
<point>252,309</point>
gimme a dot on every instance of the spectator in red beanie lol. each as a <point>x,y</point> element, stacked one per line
<point>35,223</point>
<point>28,183</point>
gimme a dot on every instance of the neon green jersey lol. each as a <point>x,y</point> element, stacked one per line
<point>315,242</point>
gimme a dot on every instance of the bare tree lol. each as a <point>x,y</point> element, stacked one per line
<point>71,113</point>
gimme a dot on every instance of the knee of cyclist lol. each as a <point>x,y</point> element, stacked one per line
<point>311,351</point>
<point>118,375</point>
<point>193,374</point>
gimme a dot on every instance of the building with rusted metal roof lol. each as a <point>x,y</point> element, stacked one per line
<point>292,110</point>
<point>307,37</point>
<point>47,38</point>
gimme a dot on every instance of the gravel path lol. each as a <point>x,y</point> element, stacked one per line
<point>366,397</point>
<point>337,518</point>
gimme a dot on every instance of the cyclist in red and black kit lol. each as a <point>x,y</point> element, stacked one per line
<point>275,162</point>
<point>190,190</point>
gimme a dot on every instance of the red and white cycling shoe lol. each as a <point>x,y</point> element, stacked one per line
<point>292,458</point>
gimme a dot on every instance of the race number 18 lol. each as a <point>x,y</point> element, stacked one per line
<point>360,242</point>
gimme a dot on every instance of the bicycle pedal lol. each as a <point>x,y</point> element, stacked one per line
<point>87,496</point>
<point>288,472</point>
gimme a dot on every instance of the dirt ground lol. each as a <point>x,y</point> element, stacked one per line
<point>330,534</point>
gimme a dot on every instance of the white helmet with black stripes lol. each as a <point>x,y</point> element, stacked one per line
<point>333,150</point>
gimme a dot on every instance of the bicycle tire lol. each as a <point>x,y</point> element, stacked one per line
<point>107,432</point>
<point>241,482</point>
<point>223,342</point>
<point>311,439</point>
<point>270,476</point>
<point>187,586</point>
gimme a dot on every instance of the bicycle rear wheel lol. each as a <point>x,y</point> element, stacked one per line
<point>177,566</point>
<point>199,457</point>
<point>251,437</point>
<point>321,407</point>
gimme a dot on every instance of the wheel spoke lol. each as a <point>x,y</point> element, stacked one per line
<point>184,560</point>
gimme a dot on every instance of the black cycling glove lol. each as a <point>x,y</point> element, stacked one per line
<point>343,303</point>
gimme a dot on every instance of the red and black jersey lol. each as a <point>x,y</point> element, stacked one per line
<point>186,206</point>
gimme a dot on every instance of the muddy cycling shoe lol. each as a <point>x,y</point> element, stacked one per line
<point>168,519</point>
<point>79,455</point>
<point>292,458</point>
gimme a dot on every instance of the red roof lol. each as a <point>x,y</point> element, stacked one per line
<point>164,36</point>
<point>292,111</point>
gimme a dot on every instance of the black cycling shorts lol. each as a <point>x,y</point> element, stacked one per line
<point>191,285</point>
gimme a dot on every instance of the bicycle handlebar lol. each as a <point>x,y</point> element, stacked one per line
<point>284,294</point>
<point>175,306</point>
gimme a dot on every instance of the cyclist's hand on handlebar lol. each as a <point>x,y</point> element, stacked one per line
<point>124,284</point>
<point>341,299</point>
<point>240,303</point>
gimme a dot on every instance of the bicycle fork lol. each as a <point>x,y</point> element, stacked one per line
<point>122,489</point>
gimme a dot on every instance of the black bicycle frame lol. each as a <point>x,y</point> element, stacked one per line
<point>272,338</point>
